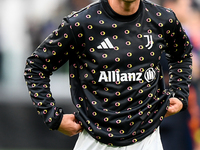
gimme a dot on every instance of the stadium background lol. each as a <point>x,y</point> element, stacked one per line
<point>23,25</point>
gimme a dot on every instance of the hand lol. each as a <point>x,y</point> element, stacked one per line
<point>69,125</point>
<point>175,106</point>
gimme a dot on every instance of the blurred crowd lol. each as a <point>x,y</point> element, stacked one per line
<point>188,12</point>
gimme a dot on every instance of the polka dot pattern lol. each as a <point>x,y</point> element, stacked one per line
<point>115,74</point>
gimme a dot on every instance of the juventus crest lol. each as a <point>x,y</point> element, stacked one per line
<point>149,44</point>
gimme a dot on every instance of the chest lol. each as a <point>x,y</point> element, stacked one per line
<point>108,42</point>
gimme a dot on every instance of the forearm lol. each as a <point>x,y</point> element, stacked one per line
<point>39,89</point>
<point>180,79</point>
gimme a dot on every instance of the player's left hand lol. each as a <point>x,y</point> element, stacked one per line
<point>175,106</point>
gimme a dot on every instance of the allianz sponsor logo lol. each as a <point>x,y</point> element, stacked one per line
<point>115,76</point>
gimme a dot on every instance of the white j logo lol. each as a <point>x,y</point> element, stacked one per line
<point>149,41</point>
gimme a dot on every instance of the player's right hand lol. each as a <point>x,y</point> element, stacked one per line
<point>69,125</point>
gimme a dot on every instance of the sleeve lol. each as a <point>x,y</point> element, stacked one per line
<point>53,52</point>
<point>179,56</point>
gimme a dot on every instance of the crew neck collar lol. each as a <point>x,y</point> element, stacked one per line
<point>119,17</point>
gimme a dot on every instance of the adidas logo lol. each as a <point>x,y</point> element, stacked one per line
<point>106,44</point>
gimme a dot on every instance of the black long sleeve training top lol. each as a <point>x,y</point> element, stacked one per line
<point>116,79</point>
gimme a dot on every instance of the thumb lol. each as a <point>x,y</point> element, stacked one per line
<point>76,124</point>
